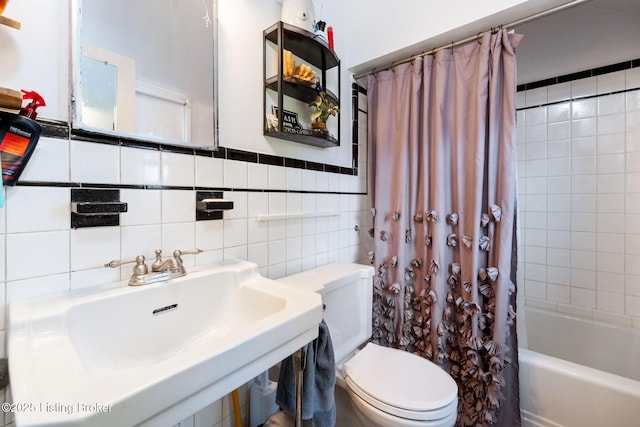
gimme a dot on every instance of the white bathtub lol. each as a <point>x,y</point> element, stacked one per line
<point>577,390</point>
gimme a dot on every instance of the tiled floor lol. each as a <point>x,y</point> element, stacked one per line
<point>345,416</point>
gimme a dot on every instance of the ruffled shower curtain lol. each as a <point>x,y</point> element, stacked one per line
<point>442,147</point>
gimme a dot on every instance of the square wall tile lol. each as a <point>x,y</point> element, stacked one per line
<point>610,163</point>
<point>559,221</point>
<point>559,130</point>
<point>534,289</point>
<point>535,133</point>
<point>277,177</point>
<point>584,108</point>
<point>94,163</point>
<point>611,203</point>
<point>611,183</point>
<point>607,301</point>
<point>49,161</point>
<point>30,209</point>
<point>178,169</point>
<point>583,260</point>
<point>536,116</point>
<point>583,165</point>
<point>143,207</point>
<point>584,87</point>
<point>610,263</point>
<point>536,150</point>
<point>209,235</point>
<point>611,124</point>
<point>583,222</point>
<point>584,127</point>
<point>632,244</point>
<point>209,172</point>
<point>559,275</point>
<point>632,78</point>
<point>559,92</point>
<point>558,293</point>
<point>633,100</point>
<point>294,179</point>
<point>559,148</point>
<point>611,82</point>
<point>178,206</point>
<point>258,231</point>
<point>235,232</point>
<point>583,297</point>
<point>584,240</point>
<point>235,174</point>
<point>633,121</point>
<point>140,240</point>
<point>93,247</point>
<point>309,180</point>
<point>611,104</point>
<point>535,97</point>
<point>257,175</point>
<point>277,251</point>
<point>611,143</point>
<point>50,249</point>
<point>258,253</point>
<point>583,278</point>
<point>140,166</point>
<point>179,236</point>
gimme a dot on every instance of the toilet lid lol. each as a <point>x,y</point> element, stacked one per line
<point>401,383</point>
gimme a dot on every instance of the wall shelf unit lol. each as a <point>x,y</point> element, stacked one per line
<point>286,88</point>
<point>10,22</point>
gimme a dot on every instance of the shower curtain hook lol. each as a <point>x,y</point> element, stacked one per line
<point>478,39</point>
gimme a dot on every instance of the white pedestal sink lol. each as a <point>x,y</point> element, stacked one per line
<point>155,354</point>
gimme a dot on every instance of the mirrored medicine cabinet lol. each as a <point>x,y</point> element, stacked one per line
<point>146,70</point>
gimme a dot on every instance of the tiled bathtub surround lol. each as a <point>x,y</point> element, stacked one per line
<point>579,195</point>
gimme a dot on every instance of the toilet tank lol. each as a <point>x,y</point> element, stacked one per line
<point>347,294</point>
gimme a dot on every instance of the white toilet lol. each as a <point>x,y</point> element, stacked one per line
<point>387,387</point>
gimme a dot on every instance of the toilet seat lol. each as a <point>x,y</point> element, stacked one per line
<point>419,390</point>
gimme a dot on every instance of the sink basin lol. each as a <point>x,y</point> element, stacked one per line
<point>155,354</point>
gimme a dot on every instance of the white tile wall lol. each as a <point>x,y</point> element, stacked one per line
<point>40,254</point>
<point>579,185</point>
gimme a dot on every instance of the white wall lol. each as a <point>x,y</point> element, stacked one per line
<point>591,35</point>
<point>379,32</point>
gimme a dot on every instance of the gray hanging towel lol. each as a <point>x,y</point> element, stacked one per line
<point>319,380</point>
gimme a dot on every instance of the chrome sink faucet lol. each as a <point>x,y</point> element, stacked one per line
<point>160,270</point>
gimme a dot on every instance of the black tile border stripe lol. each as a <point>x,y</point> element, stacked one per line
<point>577,98</point>
<point>620,66</point>
<point>62,130</point>
<point>174,187</point>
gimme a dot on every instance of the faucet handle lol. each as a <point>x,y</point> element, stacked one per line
<point>177,256</point>
<point>139,269</point>
<point>119,262</point>
<point>179,252</point>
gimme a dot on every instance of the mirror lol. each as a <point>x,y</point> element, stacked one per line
<point>146,70</point>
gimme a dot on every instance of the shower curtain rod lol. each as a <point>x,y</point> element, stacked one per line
<point>472,38</point>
